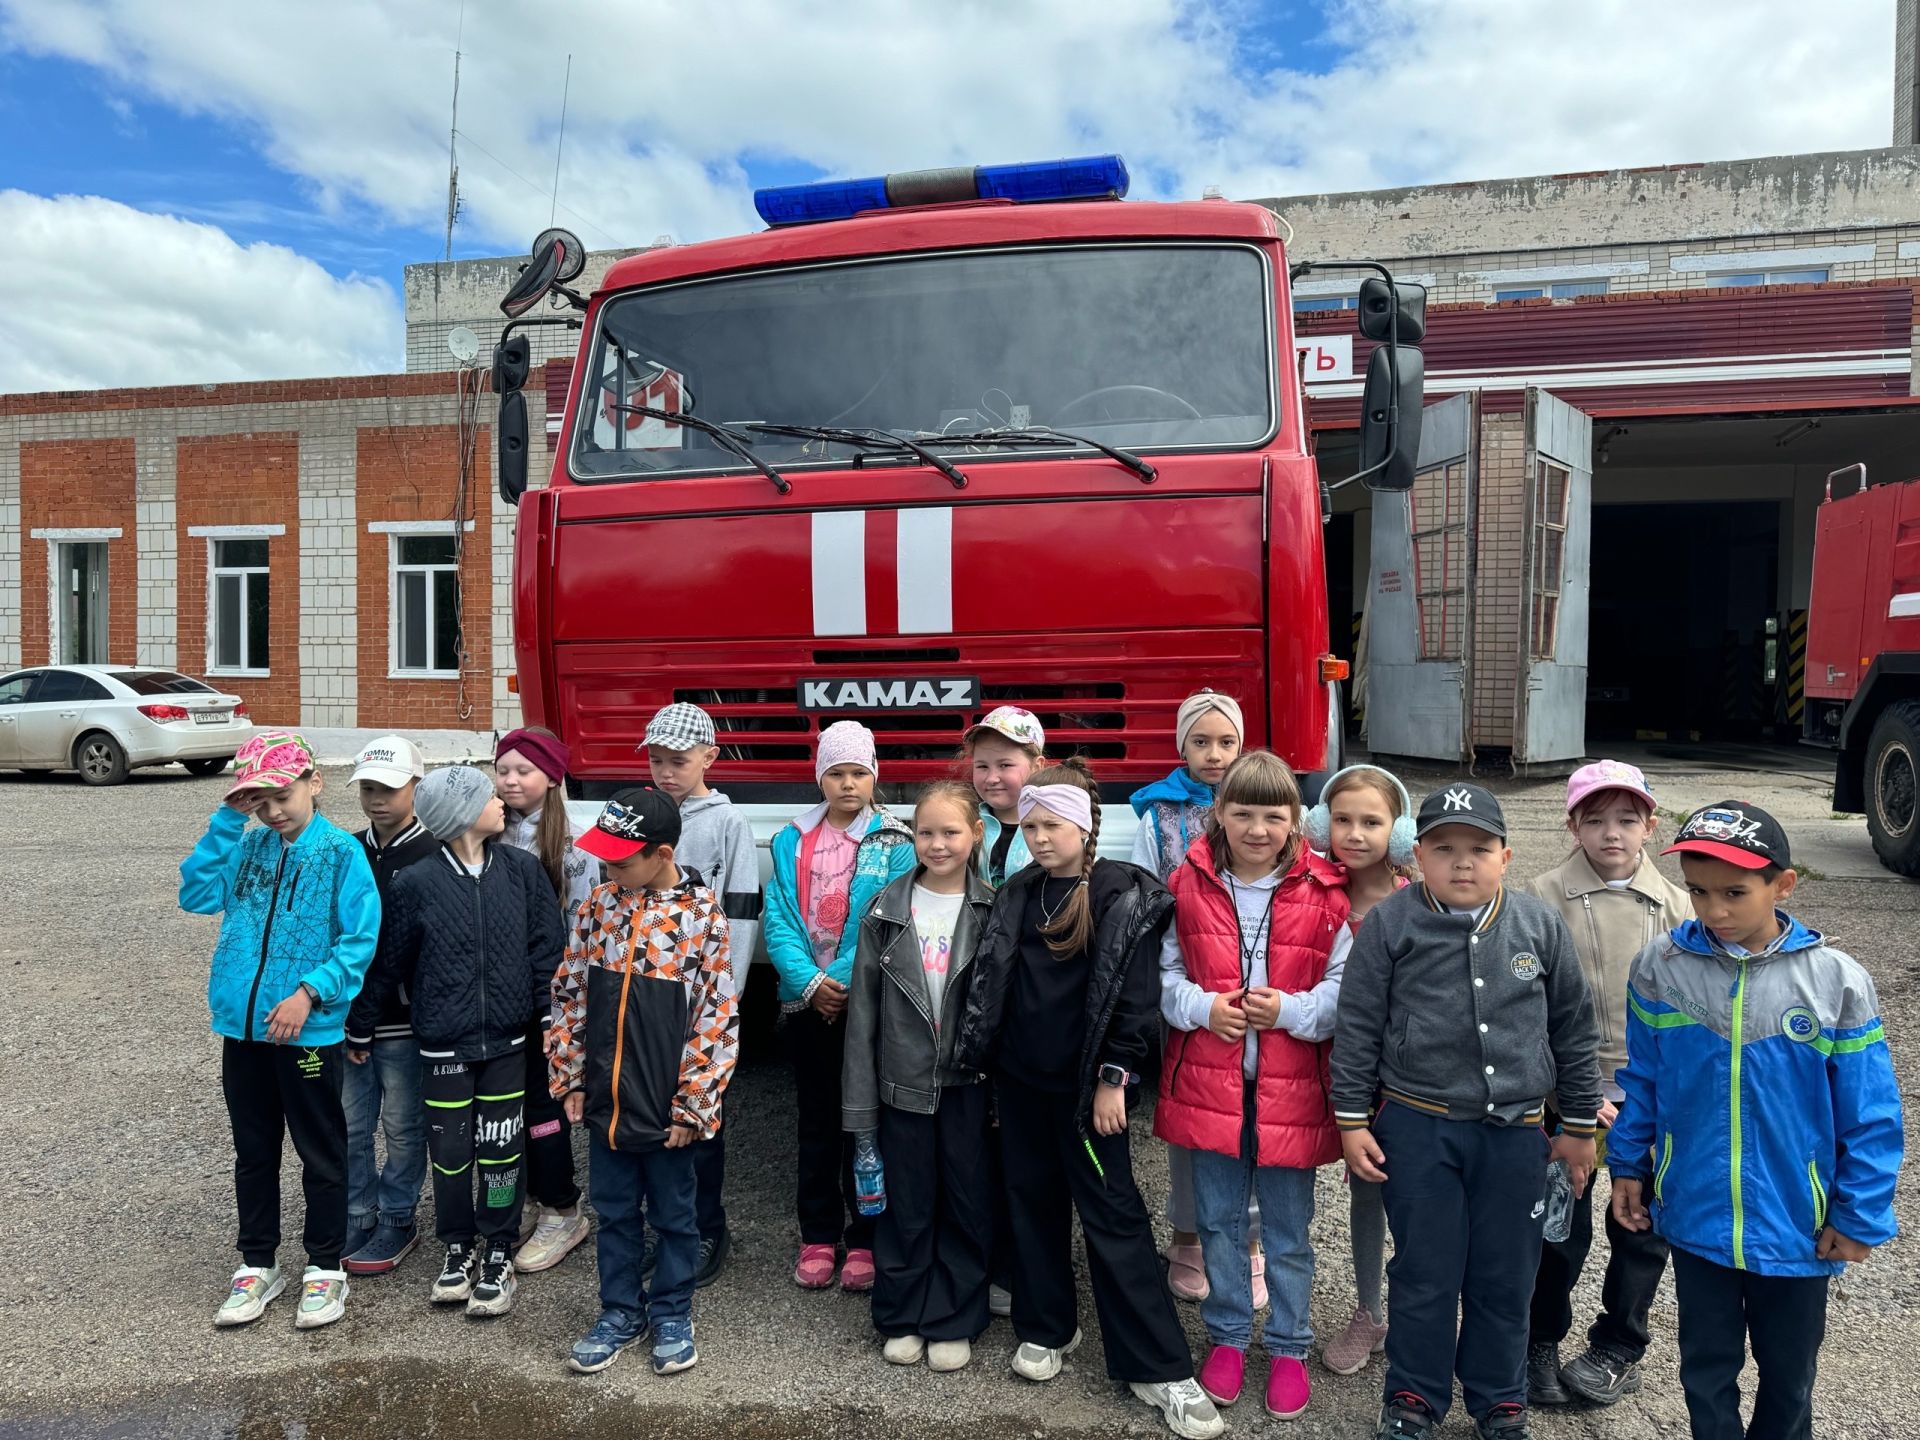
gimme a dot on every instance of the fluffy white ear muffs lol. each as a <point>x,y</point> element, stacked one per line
<point>1318,822</point>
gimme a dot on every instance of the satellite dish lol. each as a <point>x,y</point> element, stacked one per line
<point>464,344</point>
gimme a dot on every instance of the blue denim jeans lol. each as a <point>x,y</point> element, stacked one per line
<point>1222,1186</point>
<point>385,1092</point>
<point>631,1190</point>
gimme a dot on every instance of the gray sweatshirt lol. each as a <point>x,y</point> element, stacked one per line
<point>717,840</point>
<point>1468,1018</point>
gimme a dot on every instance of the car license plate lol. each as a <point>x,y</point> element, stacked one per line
<point>210,717</point>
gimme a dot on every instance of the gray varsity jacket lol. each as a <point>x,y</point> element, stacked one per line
<point>1463,1020</point>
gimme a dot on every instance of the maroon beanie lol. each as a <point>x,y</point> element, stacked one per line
<point>547,752</point>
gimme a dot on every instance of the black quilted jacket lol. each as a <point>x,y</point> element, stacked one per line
<point>477,954</point>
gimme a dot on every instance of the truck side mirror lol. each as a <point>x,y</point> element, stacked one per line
<point>1377,303</point>
<point>512,358</point>
<point>510,434</point>
<point>1390,415</point>
<point>537,277</point>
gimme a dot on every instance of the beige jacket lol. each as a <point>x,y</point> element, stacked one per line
<point>1609,928</point>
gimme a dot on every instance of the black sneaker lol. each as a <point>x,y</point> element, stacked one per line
<point>714,1250</point>
<point>1600,1375</point>
<point>649,1257</point>
<point>1504,1422</point>
<point>455,1280</point>
<point>1544,1385</point>
<point>493,1290</point>
<point>1404,1417</point>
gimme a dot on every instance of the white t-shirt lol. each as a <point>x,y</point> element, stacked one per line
<point>935,917</point>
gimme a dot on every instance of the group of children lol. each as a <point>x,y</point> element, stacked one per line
<point>977,998</point>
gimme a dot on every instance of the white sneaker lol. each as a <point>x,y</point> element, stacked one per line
<point>323,1298</point>
<point>1185,1406</point>
<point>944,1356</point>
<point>555,1236</point>
<point>252,1288</point>
<point>1040,1363</point>
<point>904,1350</point>
<point>999,1302</point>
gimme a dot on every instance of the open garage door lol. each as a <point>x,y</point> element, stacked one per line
<point>1421,594</point>
<point>1550,722</point>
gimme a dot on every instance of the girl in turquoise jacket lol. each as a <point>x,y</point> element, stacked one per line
<point>828,866</point>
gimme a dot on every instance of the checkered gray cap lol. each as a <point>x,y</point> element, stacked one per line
<point>680,727</point>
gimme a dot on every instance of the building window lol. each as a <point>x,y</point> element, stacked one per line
<point>1304,303</point>
<point>426,605</point>
<point>1438,522</point>
<point>238,606</point>
<point>1767,277</point>
<point>1556,290</point>
<point>1551,484</point>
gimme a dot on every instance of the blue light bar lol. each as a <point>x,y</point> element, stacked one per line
<point>1090,177</point>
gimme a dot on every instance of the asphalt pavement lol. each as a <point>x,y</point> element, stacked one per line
<point>117,1223</point>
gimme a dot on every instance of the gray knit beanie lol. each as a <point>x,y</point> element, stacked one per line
<point>448,801</point>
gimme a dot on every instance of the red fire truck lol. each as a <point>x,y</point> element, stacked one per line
<point>1863,657</point>
<point>928,444</point>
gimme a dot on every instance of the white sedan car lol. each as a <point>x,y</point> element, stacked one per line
<point>104,720</point>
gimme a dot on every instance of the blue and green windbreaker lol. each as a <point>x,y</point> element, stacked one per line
<point>306,911</point>
<point>1760,1099</point>
<point>885,853</point>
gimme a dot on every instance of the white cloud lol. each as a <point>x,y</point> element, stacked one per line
<point>99,294</point>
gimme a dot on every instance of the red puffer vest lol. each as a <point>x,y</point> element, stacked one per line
<point>1201,1082</point>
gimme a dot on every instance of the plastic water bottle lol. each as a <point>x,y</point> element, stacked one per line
<point>869,1180</point>
<point>1559,1202</point>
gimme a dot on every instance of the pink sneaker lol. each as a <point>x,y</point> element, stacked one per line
<point>1288,1389</point>
<point>815,1270</point>
<point>857,1272</point>
<point>1258,1260</point>
<point>1186,1272</point>
<point>1348,1352</point>
<point>1223,1374</point>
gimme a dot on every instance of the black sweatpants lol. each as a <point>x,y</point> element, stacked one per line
<point>474,1124</point>
<point>1050,1174</point>
<point>549,1137</point>
<point>1636,1259</point>
<point>1464,1204</point>
<point>825,1198</point>
<point>932,1242</point>
<point>1786,1316</point>
<point>274,1091</point>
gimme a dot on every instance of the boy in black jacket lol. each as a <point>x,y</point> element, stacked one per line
<point>474,936</point>
<point>382,1086</point>
<point>1462,1007</point>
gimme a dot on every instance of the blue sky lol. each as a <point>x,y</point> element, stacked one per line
<point>249,181</point>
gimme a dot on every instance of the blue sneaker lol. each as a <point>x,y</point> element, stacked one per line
<point>673,1347</point>
<point>601,1346</point>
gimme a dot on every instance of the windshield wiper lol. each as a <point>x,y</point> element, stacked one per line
<point>1042,435</point>
<point>865,439</point>
<point>730,441</point>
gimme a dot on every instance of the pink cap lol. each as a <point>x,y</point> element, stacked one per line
<point>270,760</point>
<point>1606,775</point>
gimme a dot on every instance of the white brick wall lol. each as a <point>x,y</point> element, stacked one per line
<point>9,553</point>
<point>329,598</point>
<point>157,547</point>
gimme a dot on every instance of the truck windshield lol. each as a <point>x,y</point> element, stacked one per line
<point>1145,347</point>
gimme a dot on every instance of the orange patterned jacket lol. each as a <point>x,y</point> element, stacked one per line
<point>645,1013</point>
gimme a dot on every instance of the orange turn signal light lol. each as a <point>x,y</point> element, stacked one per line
<point>513,682</point>
<point>1332,668</point>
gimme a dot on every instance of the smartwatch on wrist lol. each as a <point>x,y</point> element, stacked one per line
<point>1114,1075</point>
<point>313,995</point>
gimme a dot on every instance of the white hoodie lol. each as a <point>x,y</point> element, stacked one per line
<point>717,841</point>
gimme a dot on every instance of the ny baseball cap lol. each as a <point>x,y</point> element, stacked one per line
<point>1736,832</point>
<point>270,760</point>
<point>1462,805</point>
<point>1020,726</point>
<point>1605,775</point>
<point>629,822</point>
<point>679,726</point>
<point>392,760</point>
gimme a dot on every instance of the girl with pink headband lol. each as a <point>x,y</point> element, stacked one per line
<point>1062,1016</point>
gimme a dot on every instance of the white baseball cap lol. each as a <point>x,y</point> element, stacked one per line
<point>392,760</point>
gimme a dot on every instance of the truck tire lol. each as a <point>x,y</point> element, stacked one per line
<point>1892,774</point>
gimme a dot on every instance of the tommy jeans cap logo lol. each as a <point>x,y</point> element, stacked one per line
<point>1459,800</point>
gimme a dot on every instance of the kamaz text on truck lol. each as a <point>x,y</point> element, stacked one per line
<point>930,444</point>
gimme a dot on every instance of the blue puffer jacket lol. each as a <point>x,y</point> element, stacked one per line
<point>306,911</point>
<point>885,853</point>
<point>1761,1100</point>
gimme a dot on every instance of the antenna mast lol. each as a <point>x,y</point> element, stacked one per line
<point>453,159</point>
<point>560,148</point>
